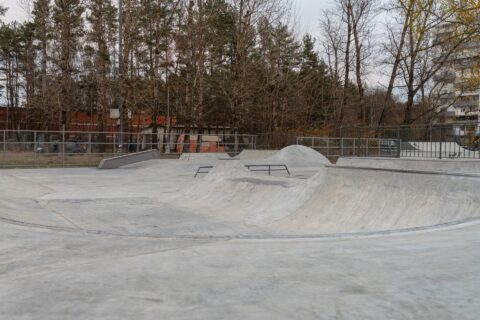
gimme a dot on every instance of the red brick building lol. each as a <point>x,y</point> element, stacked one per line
<point>28,119</point>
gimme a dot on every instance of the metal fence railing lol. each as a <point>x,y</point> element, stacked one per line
<point>353,147</point>
<point>439,141</point>
<point>30,148</point>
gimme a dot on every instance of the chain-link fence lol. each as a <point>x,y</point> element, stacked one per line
<point>24,148</point>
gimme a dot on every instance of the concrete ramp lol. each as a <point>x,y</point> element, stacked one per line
<point>128,159</point>
<point>336,200</point>
<point>203,157</point>
<point>355,200</point>
<point>255,154</point>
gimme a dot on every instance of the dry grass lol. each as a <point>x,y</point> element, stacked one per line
<point>35,160</point>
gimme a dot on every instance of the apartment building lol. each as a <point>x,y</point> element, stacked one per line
<point>456,84</point>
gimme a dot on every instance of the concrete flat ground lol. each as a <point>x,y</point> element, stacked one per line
<point>149,241</point>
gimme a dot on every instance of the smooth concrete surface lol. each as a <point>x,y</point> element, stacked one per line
<point>117,162</point>
<point>444,165</point>
<point>148,241</point>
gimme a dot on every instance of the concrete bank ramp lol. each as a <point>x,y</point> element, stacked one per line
<point>203,157</point>
<point>255,154</point>
<point>128,159</point>
<point>451,166</point>
<point>355,200</point>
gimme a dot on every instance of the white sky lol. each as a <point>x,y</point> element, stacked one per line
<point>307,15</point>
<point>308,12</point>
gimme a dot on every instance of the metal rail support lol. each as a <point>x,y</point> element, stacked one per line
<point>200,170</point>
<point>271,168</point>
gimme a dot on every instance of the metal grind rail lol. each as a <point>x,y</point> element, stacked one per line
<point>252,167</point>
<point>271,168</point>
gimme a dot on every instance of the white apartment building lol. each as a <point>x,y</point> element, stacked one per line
<point>456,84</point>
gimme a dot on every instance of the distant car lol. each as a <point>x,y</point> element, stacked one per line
<point>72,146</point>
<point>75,146</point>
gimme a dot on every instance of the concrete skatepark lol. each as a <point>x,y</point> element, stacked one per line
<point>362,239</point>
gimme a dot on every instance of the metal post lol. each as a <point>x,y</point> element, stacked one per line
<point>236,142</point>
<point>441,142</point>
<point>35,147</point>
<point>341,147</point>
<point>138,142</point>
<point>399,148</point>
<point>328,147</point>
<point>366,149</point>
<point>120,72</point>
<point>63,145</point>
<point>167,147</point>
<point>354,151</point>
<point>114,144</point>
<point>89,150</point>
<point>4,141</point>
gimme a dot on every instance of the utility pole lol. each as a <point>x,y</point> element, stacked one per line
<point>120,73</point>
<point>167,82</point>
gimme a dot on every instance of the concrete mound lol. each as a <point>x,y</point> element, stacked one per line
<point>230,190</point>
<point>299,156</point>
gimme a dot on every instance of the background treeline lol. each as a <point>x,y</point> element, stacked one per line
<point>236,63</point>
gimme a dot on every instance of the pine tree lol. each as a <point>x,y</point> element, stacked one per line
<point>68,20</point>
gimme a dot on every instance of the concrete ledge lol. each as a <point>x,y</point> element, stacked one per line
<point>116,162</point>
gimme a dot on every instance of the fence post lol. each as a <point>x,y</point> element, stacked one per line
<point>341,147</point>
<point>235,147</point>
<point>328,147</point>
<point>114,144</point>
<point>4,141</point>
<point>35,147</point>
<point>138,143</point>
<point>441,142</point>
<point>354,151</point>
<point>89,150</point>
<point>63,145</point>
<point>366,149</point>
<point>399,148</point>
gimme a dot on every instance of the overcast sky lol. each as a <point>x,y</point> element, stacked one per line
<point>308,12</point>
